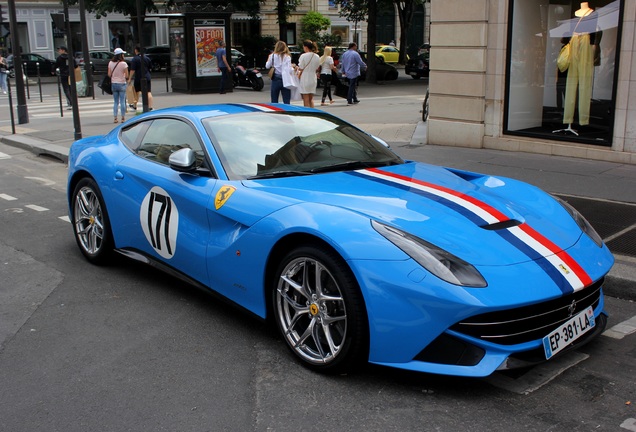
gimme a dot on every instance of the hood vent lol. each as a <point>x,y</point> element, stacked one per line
<point>502,225</point>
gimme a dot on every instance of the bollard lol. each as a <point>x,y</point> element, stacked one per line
<point>11,104</point>
<point>37,67</point>
<point>59,93</point>
<point>26,81</point>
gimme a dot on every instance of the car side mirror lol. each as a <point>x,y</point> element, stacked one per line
<point>183,160</point>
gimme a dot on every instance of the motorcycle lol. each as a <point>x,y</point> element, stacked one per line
<point>243,77</point>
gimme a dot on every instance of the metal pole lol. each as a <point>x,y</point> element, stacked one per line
<point>71,75</point>
<point>11,105</point>
<point>85,53</point>
<point>37,65</point>
<point>23,112</point>
<point>28,90</point>
<point>59,93</point>
<point>142,70</point>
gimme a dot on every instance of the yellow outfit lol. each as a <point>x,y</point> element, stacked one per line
<point>581,75</point>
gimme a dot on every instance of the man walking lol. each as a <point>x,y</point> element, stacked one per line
<point>61,64</point>
<point>135,77</point>
<point>224,67</point>
<point>351,65</point>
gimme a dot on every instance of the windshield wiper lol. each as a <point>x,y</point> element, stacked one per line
<point>281,173</point>
<point>350,165</point>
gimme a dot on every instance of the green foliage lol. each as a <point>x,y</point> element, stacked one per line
<point>353,10</point>
<point>102,8</point>
<point>313,26</point>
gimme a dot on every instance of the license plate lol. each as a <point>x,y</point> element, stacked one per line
<point>568,332</point>
<point>259,75</point>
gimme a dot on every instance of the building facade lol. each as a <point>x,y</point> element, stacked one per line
<point>495,82</point>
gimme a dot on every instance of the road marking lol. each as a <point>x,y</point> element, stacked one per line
<point>4,156</point>
<point>619,331</point>
<point>36,207</point>
<point>45,182</point>
<point>65,218</point>
<point>7,197</point>
<point>629,424</point>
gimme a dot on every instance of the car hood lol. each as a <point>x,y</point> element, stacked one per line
<point>465,213</point>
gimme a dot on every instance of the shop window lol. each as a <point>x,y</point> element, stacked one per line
<point>576,103</point>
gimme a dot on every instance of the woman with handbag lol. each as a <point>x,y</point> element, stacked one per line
<point>308,65</point>
<point>118,73</point>
<point>280,60</point>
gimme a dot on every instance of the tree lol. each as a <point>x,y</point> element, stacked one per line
<point>284,9</point>
<point>406,11</point>
<point>126,7</point>
<point>313,23</point>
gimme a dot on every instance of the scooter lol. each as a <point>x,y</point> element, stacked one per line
<point>243,77</point>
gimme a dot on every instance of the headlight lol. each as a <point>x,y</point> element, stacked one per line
<point>581,222</point>
<point>441,263</point>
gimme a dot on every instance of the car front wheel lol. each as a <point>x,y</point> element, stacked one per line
<point>319,310</point>
<point>90,222</point>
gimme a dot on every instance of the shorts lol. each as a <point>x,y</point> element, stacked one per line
<point>138,86</point>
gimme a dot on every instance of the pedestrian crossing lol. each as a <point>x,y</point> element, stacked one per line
<point>50,107</point>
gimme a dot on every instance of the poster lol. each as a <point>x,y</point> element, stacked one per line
<point>177,51</point>
<point>207,41</point>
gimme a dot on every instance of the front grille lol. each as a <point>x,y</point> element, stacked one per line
<point>528,323</point>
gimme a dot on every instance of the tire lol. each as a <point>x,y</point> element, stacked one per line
<point>257,83</point>
<point>425,107</point>
<point>322,318</point>
<point>91,225</point>
<point>155,66</point>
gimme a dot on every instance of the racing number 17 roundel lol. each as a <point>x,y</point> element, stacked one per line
<point>159,219</point>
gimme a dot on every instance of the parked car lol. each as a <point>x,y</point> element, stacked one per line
<point>30,64</point>
<point>388,53</point>
<point>355,254</point>
<point>159,57</point>
<point>417,67</point>
<point>99,60</point>
<point>383,71</point>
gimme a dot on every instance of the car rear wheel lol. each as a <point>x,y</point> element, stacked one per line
<point>90,222</point>
<point>156,66</point>
<point>319,310</point>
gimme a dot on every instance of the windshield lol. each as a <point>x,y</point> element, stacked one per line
<point>282,144</point>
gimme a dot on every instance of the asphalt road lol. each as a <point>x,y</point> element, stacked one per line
<point>123,348</point>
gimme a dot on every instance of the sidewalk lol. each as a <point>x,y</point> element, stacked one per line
<point>390,112</point>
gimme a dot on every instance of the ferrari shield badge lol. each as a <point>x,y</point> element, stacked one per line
<point>223,195</point>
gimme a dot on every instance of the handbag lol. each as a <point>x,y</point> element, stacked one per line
<point>563,61</point>
<point>270,74</point>
<point>106,85</point>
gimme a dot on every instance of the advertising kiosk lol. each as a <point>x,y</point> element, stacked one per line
<point>196,30</point>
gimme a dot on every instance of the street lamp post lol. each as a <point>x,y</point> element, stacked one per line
<point>142,69</point>
<point>71,75</point>
<point>23,112</point>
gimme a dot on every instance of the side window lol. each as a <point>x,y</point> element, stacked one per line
<point>130,136</point>
<point>165,136</point>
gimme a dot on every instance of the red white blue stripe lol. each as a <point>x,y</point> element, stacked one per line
<point>557,263</point>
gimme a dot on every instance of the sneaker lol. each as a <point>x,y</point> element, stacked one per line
<point>68,108</point>
<point>356,101</point>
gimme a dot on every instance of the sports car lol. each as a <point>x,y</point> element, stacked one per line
<point>355,254</point>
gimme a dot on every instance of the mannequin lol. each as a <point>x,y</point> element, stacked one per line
<point>581,70</point>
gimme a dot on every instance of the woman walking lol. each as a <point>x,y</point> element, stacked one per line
<point>308,65</point>
<point>326,68</point>
<point>4,70</point>
<point>118,73</point>
<point>280,60</point>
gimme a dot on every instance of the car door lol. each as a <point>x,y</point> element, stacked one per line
<point>160,211</point>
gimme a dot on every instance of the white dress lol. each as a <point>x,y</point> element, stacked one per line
<point>309,62</point>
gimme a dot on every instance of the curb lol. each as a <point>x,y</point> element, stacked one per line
<point>36,146</point>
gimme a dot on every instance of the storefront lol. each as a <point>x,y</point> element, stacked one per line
<point>495,81</point>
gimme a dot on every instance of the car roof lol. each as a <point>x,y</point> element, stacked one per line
<point>201,112</point>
